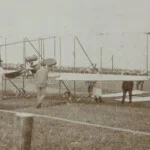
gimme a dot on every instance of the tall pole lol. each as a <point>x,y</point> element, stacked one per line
<point>60,53</point>
<point>43,49</point>
<point>39,48</point>
<point>112,62</point>
<point>24,62</point>
<point>74,54</point>
<point>101,58</point>
<point>1,66</point>
<point>60,64</point>
<point>54,48</point>
<point>5,62</point>
<point>147,54</point>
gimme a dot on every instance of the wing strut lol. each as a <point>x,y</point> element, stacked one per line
<point>34,48</point>
<point>85,53</point>
<point>66,87</point>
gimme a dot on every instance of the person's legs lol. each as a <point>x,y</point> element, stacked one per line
<point>124,96</point>
<point>43,94</point>
<point>96,99</point>
<point>100,99</point>
<point>142,85</point>
<point>39,93</point>
<point>1,84</point>
<point>90,90</point>
<point>137,85</point>
<point>130,96</point>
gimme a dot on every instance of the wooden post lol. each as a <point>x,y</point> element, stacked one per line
<point>22,133</point>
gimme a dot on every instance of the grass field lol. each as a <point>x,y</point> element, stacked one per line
<point>55,134</point>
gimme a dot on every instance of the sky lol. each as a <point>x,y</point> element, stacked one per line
<point>123,23</point>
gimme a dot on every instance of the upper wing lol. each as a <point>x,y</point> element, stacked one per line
<point>97,77</point>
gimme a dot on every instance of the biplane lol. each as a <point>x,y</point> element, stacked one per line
<point>61,76</point>
<point>78,77</point>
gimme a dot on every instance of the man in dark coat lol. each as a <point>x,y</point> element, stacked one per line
<point>127,86</point>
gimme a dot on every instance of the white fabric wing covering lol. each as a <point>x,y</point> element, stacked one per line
<point>99,77</point>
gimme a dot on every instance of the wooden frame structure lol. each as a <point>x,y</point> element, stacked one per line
<point>41,53</point>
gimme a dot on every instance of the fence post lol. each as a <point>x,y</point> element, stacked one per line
<point>23,124</point>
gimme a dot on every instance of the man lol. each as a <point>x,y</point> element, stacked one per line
<point>139,83</point>
<point>1,74</point>
<point>41,83</point>
<point>1,77</point>
<point>67,97</point>
<point>127,86</point>
<point>90,88</point>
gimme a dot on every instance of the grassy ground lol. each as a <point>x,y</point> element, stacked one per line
<point>52,134</point>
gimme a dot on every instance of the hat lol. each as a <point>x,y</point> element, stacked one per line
<point>43,63</point>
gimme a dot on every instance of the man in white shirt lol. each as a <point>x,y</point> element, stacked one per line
<point>41,83</point>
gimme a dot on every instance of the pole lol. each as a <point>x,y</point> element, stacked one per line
<point>101,58</point>
<point>60,64</point>
<point>40,55</point>
<point>85,53</point>
<point>147,54</point>
<point>2,78</point>
<point>43,49</point>
<point>23,124</point>
<point>5,63</point>
<point>74,54</point>
<point>101,63</point>
<point>39,49</point>
<point>24,62</point>
<point>54,48</point>
<point>112,63</point>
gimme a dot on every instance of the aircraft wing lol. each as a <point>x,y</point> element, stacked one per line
<point>97,77</point>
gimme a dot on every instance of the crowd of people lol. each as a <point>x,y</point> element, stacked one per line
<point>102,70</point>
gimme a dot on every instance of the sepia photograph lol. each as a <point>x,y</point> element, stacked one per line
<point>74,75</point>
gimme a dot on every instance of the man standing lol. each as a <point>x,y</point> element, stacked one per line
<point>41,83</point>
<point>127,86</point>
<point>1,78</point>
<point>139,83</point>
